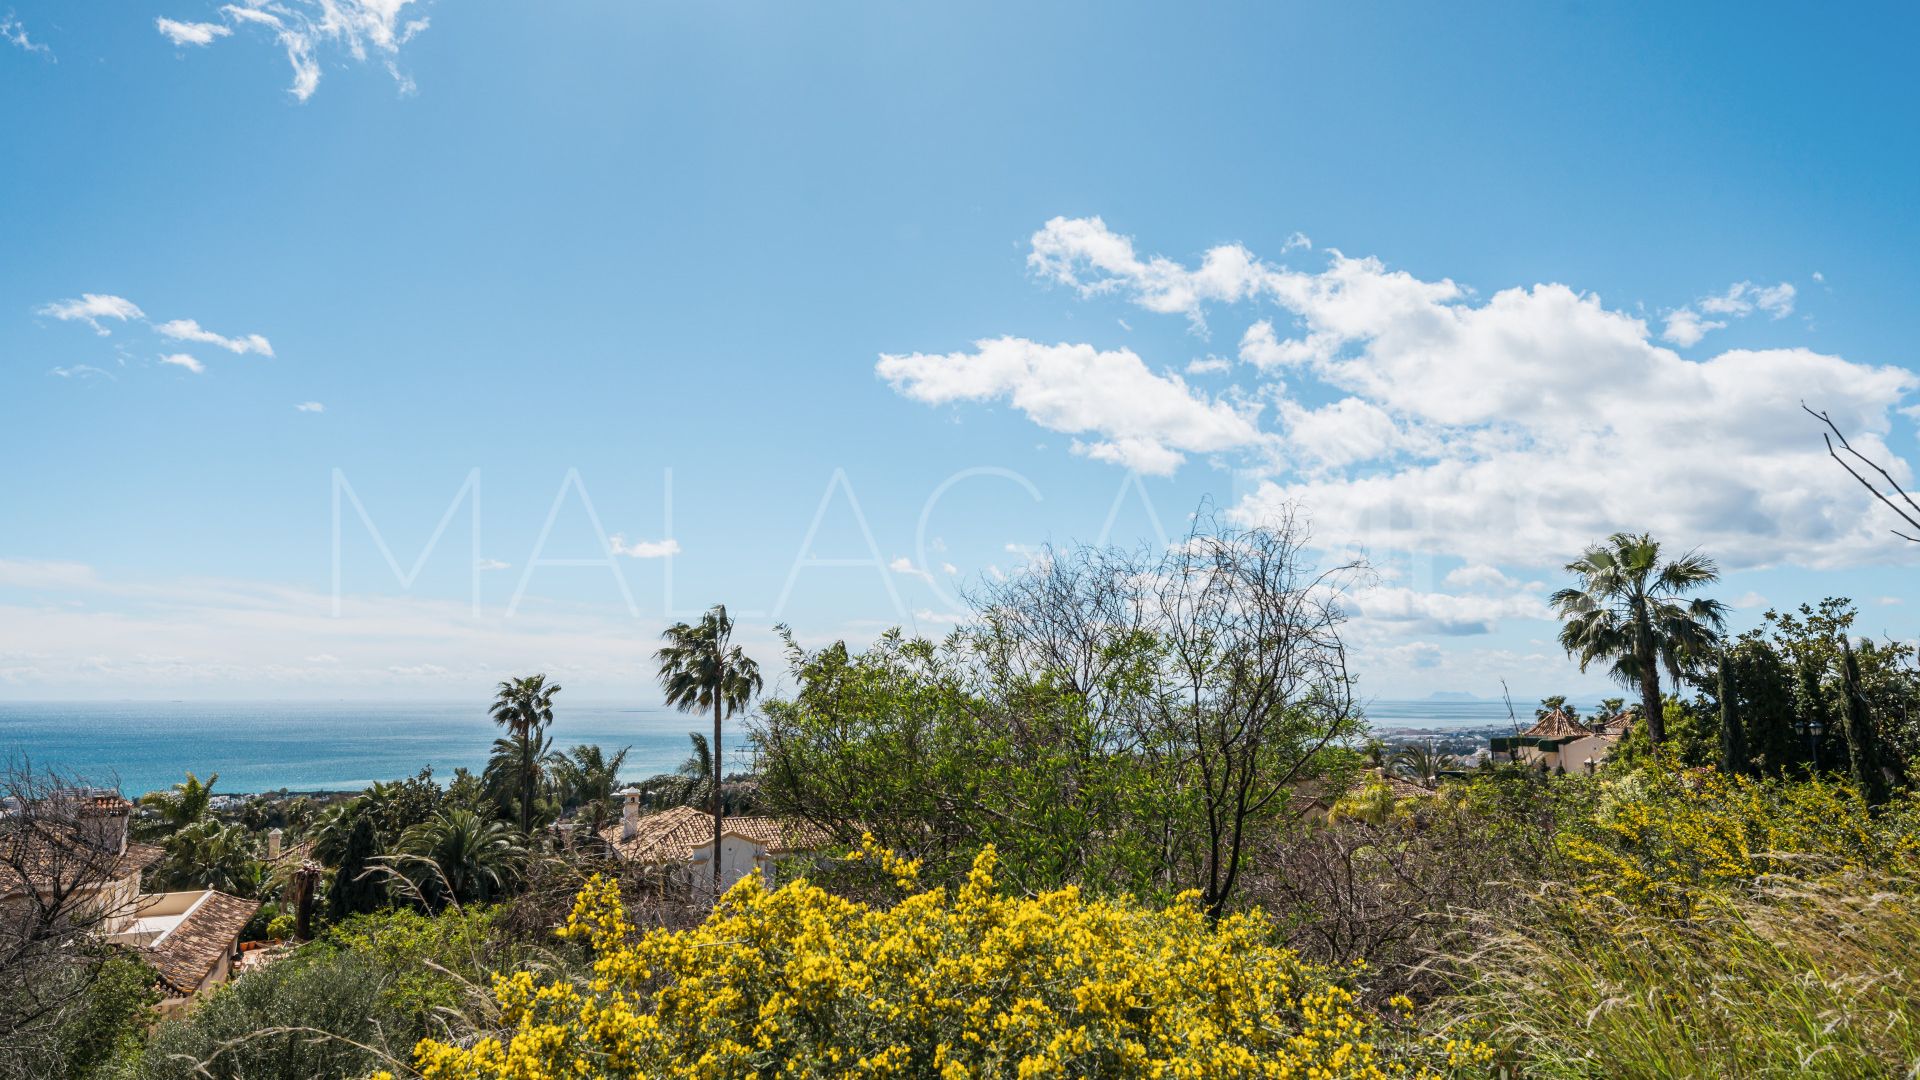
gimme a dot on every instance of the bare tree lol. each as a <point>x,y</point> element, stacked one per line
<point>1255,682</point>
<point>1908,510</point>
<point>68,879</point>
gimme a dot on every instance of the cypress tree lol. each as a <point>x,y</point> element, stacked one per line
<point>354,890</point>
<point>1813,712</point>
<point>1733,737</point>
<point>1763,691</point>
<point>1862,746</point>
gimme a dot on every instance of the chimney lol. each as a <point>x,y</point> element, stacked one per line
<point>273,845</point>
<point>630,814</point>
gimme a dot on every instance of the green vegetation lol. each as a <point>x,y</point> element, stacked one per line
<point>1126,821</point>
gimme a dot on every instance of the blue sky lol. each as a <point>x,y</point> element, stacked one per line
<point>1472,286</point>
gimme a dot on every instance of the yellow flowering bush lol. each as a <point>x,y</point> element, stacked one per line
<point>1663,836</point>
<point>798,982</point>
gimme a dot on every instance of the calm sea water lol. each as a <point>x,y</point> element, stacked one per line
<point>313,746</point>
<point>265,746</point>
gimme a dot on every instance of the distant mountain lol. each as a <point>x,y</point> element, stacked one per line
<point>1454,695</point>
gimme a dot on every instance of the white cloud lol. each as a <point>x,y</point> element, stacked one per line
<point>46,574</point>
<point>1749,599</point>
<point>1208,365</point>
<point>1420,655</point>
<point>15,33</point>
<point>91,308</point>
<point>1145,421</point>
<point>82,371</point>
<point>1445,613</point>
<point>185,361</point>
<point>904,565</point>
<point>940,618</point>
<point>1525,425</point>
<point>644,549</point>
<point>190,330</point>
<point>1479,576</point>
<point>489,564</point>
<point>309,406</point>
<point>1346,432</point>
<point>1685,326</point>
<point>949,569</point>
<point>303,28</point>
<point>1084,254</point>
<point>186,33</point>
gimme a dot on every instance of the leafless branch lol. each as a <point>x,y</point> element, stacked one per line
<point>1910,513</point>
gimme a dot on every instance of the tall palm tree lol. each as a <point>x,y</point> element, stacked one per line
<point>1628,610</point>
<point>701,669</point>
<point>524,706</point>
<point>587,779</point>
<point>506,778</point>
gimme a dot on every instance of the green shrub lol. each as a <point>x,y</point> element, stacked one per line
<point>318,1014</point>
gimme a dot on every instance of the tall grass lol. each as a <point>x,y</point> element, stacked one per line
<point>1785,979</point>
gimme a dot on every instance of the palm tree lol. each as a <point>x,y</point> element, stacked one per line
<point>460,857</point>
<point>690,784</point>
<point>1423,763</point>
<point>700,669</point>
<point>209,854</point>
<point>1628,610</point>
<point>524,706</point>
<point>515,768</point>
<point>587,779</point>
<point>1557,702</point>
<point>183,804</point>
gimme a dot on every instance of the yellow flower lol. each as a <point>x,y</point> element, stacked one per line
<point>799,982</point>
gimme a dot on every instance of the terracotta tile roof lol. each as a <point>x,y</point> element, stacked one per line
<point>57,853</point>
<point>1617,724</point>
<point>673,835</point>
<point>1558,724</point>
<point>190,950</point>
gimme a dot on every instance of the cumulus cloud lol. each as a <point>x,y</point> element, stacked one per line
<point>1512,429</point>
<point>309,406</point>
<point>191,330</point>
<point>1479,576</point>
<point>644,549</point>
<point>1143,420</point>
<point>91,308</point>
<point>191,33</point>
<point>904,565</point>
<point>184,361</point>
<point>359,29</point>
<point>1445,613</point>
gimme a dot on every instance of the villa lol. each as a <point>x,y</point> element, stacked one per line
<point>679,842</point>
<point>80,859</point>
<point>1559,743</point>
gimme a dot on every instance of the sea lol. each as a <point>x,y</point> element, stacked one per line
<point>262,746</point>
